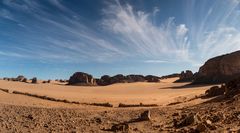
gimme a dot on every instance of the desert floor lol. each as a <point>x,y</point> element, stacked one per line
<point>22,113</point>
<point>161,93</point>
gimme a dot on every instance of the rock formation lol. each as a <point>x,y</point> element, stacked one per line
<point>229,89</point>
<point>34,80</point>
<point>135,78</point>
<point>119,78</point>
<point>220,69</point>
<point>174,75</point>
<point>20,78</point>
<point>80,78</point>
<point>232,87</point>
<point>151,78</point>
<point>214,91</point>
<point>185,76</point>
<point>24,80</point>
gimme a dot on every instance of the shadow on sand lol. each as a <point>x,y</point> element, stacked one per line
<point>190,85</point>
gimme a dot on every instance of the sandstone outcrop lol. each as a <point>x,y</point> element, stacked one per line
<point>34,80</point>
<point>174,75</point>
<point>220,69</point>
<point>135,78</point>
<point>151,78</point>
<point>186,76</point>
<point>119,78</point>
<point>20,78</point>
<point>80,78</point>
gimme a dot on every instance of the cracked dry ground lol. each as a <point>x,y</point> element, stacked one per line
<point>206,117</point>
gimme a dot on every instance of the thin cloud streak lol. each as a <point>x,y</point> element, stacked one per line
<point>125,32</point>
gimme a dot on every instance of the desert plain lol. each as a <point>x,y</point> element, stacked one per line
<point>166,100</point>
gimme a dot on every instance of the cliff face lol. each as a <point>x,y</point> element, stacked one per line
<point>220,69</point>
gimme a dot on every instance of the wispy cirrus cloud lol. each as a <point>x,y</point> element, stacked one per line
<point>205,33</point>
<point>58,36</point>
<point>136,30</point>
<point>123,31</point>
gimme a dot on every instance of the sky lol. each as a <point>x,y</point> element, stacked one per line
<point>52,39</point>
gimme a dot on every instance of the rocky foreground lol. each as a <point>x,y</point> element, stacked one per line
<point>213,116</point>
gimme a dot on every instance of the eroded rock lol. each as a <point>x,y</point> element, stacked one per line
<point>220,69</point>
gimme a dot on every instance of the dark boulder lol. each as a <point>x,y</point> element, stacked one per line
<point>20,78</point>
<point>232,87</point>
<point>214,91</point>
<point>80,78</point>
<point>34,80</point>
<point>24,80</point>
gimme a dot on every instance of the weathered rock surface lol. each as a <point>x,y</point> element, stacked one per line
<point>80,78</point>
<point>214,91</point>
<point>151,78</point>
<point>20,78</point>
<point>232,87</point>
<point>119,78</point>
<point>174,75</point>
<point>135,78</point>
<point>229,89</point>
<point>220,69</point>
<point>34,80</point>
<point>186,76</point>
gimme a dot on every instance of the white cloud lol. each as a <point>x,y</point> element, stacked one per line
<point>142,36</point>
<point>128,32</point>
<point>182,30</point>
<point>157,61</point>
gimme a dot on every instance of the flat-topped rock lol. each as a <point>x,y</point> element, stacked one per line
<point>81,78</point>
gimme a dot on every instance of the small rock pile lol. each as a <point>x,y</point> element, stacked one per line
<point>199,123</point>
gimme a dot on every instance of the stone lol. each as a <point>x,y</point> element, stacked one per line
<point>186,121</point>
<point>20,78</point>
<point>186,76</point>
<point>201,127</point>
<point>151,78</point>
<point>145,116</point>
<point>219,69</point>
<point>174,75</point>
<point>232,87</point>
<point>34,80</point>
<point>24,80</point>
<point>134,78</point>
<point>120,128</point>
<point>214,91</point>
<point>80,78</point>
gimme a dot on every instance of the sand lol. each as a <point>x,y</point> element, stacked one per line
<point>161,93</point>
<point>21,113</point>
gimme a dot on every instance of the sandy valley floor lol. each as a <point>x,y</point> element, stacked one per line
<point>161,93</point>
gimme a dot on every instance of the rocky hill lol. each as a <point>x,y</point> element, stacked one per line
<point>219,69</point>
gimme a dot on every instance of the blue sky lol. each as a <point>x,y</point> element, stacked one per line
<point>55,38</point>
